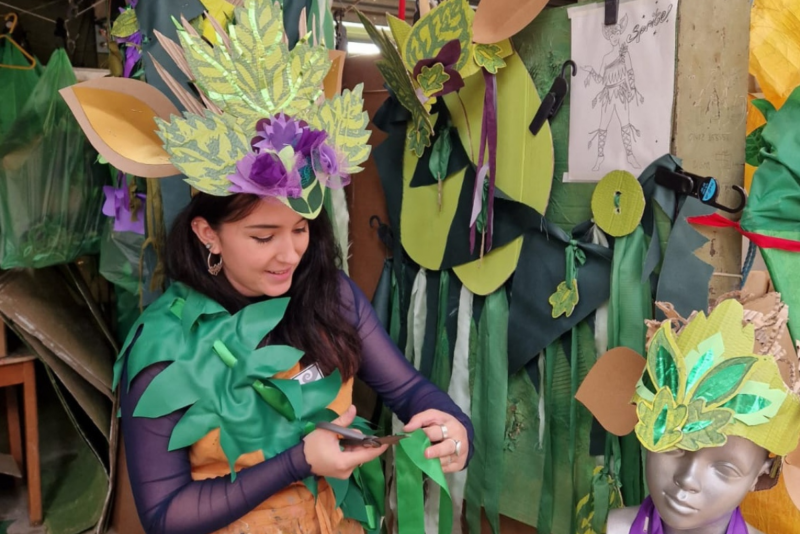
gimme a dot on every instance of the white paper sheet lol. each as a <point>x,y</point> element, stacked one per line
<point>621,99</point>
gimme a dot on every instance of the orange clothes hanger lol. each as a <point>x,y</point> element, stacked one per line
<point>12,17</point>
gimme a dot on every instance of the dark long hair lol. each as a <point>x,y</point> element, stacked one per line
<point>314,322</point>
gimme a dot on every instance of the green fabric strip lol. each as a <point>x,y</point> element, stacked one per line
<point>489,398</point>
<point>410,465</point>
<point>442,368</point>
<point>573,415</point>
<point>544,525</point>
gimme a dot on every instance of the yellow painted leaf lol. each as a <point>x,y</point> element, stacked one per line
<point>775,47</point>
<point>222,12</point>
<point>400,30</point>
<point>565,299</point>
<point>448,21</point>
<point>205,149</point>
<point>125,25</point>
<point>345,120</point>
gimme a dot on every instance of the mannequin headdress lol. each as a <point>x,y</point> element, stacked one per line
<point>732,372</point>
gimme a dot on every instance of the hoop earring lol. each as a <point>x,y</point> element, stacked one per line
<point>216,268</point>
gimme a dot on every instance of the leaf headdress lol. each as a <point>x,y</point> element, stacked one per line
<point>265,125</point>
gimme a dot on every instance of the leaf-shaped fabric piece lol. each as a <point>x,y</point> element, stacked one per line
<point>345,121</point>
<point>205,149</point>
<point>125,25</point>
<point>489,57</point>
<point>565,299</point>
<point>440,155</point>
<point>704,427</point>
<point>700,360</point>
<point>723,380</point>
<point>448,21</point>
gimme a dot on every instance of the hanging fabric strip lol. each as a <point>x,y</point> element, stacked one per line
<point>601,315</point>
<point>411,464</point>
<point>544,524</point>
<point>459,392</point>
<point>489,398</point>
<point>440,375</point>
<point>573,415</point>
<point>417,316</point>
<point>482,218</point>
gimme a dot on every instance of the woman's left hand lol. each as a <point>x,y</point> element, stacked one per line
<point>448,436</point>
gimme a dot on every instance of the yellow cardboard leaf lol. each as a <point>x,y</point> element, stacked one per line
<point>222,12</point>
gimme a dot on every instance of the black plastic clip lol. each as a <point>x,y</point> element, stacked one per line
<point>704,188</point>
<point>385,233</point>
<point>612,12</point>
<point>554,99</point>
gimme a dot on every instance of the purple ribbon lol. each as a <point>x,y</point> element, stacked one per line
<point>118,205</point>
<point>649,518</point>
<point>488,134</point>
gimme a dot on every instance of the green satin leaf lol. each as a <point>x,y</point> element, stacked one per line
<point>320,393</point>
<point>661,366</point>
<point>410,464</point>
<point>756,403</point>
<point>660,426</point>
<point>764,106</point>
<point>270,360</point>
<point>702,359</point>
<point>697,426</point>
<point>700,368</point>
<point>722,382</point>
<point>440,155</point>
<point>312,484</point>
<point>193,425</point>
<point>169,391</point>
<point>283,395</point>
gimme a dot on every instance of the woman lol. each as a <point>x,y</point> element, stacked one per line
<point>224,378</point>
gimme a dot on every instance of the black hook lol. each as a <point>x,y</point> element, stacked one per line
<point>384,231</point>
<point>704,188</point>
<point>554,99</point>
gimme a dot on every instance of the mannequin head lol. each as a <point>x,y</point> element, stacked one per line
<point>697,489</point>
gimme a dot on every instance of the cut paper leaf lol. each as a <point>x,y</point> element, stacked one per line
<point>397,78</point>
<point>705,427</point>
<point>565,299</point>
<point>125,25</point>
<point>432,79</point>
<point>496,20</point>
<point>618,203</point>
<point>448,21</point>
<point>119,118</point>
<point>332,83</point>
<point>607,391</point>
<point>205,149</point>
<point>489,57</point>
<point>756,403</point>
<point>400,30</point>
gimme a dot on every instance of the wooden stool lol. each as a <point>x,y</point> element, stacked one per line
<point>18,370</point>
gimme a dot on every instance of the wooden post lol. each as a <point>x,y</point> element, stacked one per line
<point>709,122</point>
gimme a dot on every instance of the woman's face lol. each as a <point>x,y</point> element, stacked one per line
<point>261,251</point>
<point>614,38</point>
<point>692,490</point>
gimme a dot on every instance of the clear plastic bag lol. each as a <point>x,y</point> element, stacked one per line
<point>51,188</point>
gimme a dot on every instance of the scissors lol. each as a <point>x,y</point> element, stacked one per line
<point>353,438</point>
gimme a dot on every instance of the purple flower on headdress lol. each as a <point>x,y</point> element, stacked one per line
<point>448,56</point>
<point>327,165</point>
<point>280,131</point>
<point>118,206</point>
<point>264,174</point>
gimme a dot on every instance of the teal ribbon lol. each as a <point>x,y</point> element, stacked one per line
<point>411,464</point>
<point>575,257</point>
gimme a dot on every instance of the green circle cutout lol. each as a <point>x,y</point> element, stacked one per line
<point>618,203</point>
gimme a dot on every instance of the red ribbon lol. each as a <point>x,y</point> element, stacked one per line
<point>402,10</point>
<point>762,241</point>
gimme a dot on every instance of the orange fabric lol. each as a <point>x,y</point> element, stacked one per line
<point>772,511</point>
<point>290,511</point>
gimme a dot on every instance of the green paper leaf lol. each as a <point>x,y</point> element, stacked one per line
<point>299,205</point>
<point>488,56</point>
<point>344,120</point>
<point>440,155</point>
<point>755,144</point>
<point>723,380</point>
<point>660,423</point>
<point>205,149</point>
<point>564,299</point>
<point>125,25</point>
<point>756,403</point>
<point>661,362</point>
<point>704,428</point>
<point>432,79</point>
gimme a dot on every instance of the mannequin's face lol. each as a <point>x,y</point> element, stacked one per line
<point>693,490</point>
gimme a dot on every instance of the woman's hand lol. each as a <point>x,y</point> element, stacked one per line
<point>325,456</point>
<point>448,435</point>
